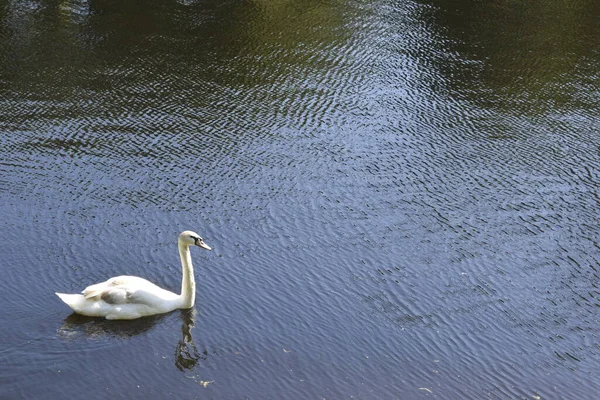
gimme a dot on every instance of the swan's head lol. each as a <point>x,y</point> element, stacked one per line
<point>190,238</point>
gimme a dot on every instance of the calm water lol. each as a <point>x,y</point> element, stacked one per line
<point>402,197</point>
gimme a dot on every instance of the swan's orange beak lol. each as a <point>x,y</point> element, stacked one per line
<point>200,243</point>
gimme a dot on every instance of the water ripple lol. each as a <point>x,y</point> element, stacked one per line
<point>399,202</point>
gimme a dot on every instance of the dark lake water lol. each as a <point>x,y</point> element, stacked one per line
<point>402,197</point>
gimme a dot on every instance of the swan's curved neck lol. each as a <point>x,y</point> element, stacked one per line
<point>188,284</point>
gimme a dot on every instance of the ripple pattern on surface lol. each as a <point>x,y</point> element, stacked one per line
<point>392,205</point>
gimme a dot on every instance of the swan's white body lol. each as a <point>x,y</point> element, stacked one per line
<point>130,297</point>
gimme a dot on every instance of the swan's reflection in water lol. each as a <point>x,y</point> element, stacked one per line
<point>76,325</point>
<point>187,355</point>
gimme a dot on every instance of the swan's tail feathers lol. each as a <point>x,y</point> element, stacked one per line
<point>75,301</point>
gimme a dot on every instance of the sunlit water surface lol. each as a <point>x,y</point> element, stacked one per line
<point>402,197</point>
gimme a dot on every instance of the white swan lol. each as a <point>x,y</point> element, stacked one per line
<point>130,297</point>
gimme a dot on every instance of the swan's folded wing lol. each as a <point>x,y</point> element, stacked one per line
<point>116,295</point>
<point>126,295</point>
<point>118,290</point>
<point>94,292</point>
<point>128,290</point>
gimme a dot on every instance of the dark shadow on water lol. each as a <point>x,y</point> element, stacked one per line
<point>75,325</point>
<point>186,353</point>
